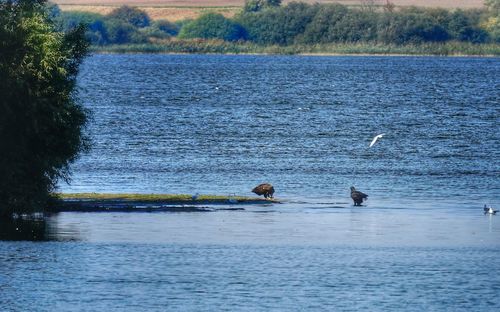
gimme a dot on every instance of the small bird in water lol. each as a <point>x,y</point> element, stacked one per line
<point>489,210</point>
<point>265,189</point>
<point>375,139</point>
<point>232,198</point>
<point>357,196</point>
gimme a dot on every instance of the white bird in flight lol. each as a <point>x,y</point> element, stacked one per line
<point>375,139</point>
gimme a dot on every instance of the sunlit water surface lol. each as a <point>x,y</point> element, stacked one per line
<point>222,124</point>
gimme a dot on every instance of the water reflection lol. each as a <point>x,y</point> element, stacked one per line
<point>39,229</point>
<point>23,230</point>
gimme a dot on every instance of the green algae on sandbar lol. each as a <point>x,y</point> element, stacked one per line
<point>147,202</point>
<point>160,197</point>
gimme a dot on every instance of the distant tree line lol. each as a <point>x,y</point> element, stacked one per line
<point>123,25</point>
<point>267,22</point>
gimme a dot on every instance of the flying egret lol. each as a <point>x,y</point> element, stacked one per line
<point>376,138</point>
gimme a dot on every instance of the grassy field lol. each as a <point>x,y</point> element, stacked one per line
<point>172,14</point>
<point>175,10</point>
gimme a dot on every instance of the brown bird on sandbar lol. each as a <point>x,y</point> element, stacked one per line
<point>357,196</point>
<point>265,189</point>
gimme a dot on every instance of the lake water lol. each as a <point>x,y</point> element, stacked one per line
<point>223,124</point>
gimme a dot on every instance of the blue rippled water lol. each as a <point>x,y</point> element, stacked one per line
<point>222,124</point>
<point>74,276</point>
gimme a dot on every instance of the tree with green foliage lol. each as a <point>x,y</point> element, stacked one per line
<point>492,21</point>
<point>321,28</point>
<point>41,122</point>
<point>213,26</point>
<point>167,27</point>
<point>53,10</point>
<point>280,25</point>
<point>463,26</point>
<point>410,27</point>
<point>161,29</point>
<point>131,15</point>
<point>355,26</point>
<point>122,32</point>
<point>96,32</point>
<point>493,5</point>
<point>257,5</point>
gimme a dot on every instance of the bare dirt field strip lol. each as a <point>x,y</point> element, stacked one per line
<point>172,14</point>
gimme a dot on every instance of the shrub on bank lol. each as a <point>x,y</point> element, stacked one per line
<point>132,15</point>
<point>213,26</point>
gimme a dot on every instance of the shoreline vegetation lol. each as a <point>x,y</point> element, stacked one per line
<point>213,46</point>
<point>271,27</point>
<point>101,202</point>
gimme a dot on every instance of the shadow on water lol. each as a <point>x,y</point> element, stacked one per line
<point>38,229</point>
<point>23,230</point>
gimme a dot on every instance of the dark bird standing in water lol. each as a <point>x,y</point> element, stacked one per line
<point>357,196</point>
<point>265,189</point>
